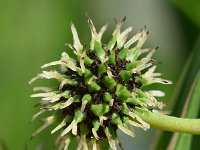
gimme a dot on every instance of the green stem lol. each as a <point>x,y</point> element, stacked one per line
<point>169,123</point>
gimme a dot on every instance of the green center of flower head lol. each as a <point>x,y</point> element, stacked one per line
<point>98,91</point>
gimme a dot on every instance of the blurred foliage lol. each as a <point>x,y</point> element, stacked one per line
<point>34,32</point>
<point>190,8</point>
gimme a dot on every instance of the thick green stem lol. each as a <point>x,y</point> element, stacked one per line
<point>169,123</point>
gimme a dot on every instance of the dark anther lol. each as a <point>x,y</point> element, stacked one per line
<point>117,106</point>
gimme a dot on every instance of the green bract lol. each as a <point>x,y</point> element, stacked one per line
<point>98,91</point>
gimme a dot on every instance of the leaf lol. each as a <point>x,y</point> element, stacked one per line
<point>190,8</point>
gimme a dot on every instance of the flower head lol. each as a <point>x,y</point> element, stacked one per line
<point>98,91</point>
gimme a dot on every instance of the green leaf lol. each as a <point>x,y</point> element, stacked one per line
<point>191,9</point>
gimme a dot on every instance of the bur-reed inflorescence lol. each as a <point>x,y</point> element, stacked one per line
<point>98,91</point>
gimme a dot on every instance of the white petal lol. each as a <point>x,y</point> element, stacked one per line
<point>69,61</point>
<point>94,132</point>
<point>69,128</point>
<point>142,38</point>
<point>49,94</point>
<point>101,119</point>
<point>51,75</point>
<point>122,37</point>
<point>141,67</point>
<point>83,105</point>
<point>112,143</point>
<point>33,79</point>
<point>102,30</point>
<point>133,40</point>
<point>126,130</point>
<point>77,45</point>
<point>109,72</point>
<point>62,124</point>
<point>45,89</point>
<point>82,61</point>
<point>135,124</point>
<point>93,30</point>
<point>62,105</point>
<point>144,124</point>
<point>74,127</point>
<point>159,80</point>
<point>52,64</point>
<point>156,93</point>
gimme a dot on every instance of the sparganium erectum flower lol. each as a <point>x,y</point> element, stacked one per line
<point>98,91</point>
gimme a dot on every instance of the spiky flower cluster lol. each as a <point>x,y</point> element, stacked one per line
<point>98,91</point>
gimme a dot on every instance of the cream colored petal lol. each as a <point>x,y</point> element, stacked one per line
<point>67,142</point>
<point>77,45</point>
<point>69,61</point>
<point>94,132</point>
<point>69,128</point>
<point>83,105</point>
<point>126,130</point>
<point>112,143</point>
<point>145,125</point>
<point>122,37</point>
<point>44,89</point>
<point>74,127</point>
<point>52,64</point>
<point>102,30</point>
<point>141,67</point>
<point>34,79</point>
<point>62,105</point>
<point>62,124</point>
<point>133,40</point>
<point>93,30</point>
<point>156,93</point>
<point>142,38</point>
<point>82,60</point>
<point>101,119</point>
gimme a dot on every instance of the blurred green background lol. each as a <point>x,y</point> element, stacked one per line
<point>34,32</point>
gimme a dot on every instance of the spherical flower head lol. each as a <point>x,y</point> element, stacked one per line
<point>97,92</point>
